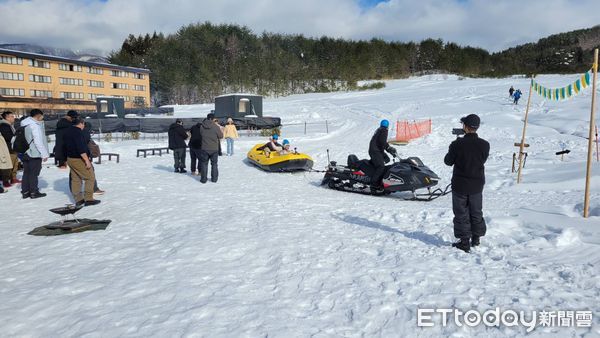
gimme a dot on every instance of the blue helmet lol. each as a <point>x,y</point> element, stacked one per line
<point>275,136</point>
<point>286,142</point>
<point>384,123</point>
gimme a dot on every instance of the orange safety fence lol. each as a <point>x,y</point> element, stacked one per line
<point>407,131</point>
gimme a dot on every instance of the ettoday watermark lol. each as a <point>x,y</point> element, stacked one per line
<point>508,318</point>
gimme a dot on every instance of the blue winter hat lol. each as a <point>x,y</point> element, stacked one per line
<point>286,142</point>
<point>275,136</point>
<point>384,123</point>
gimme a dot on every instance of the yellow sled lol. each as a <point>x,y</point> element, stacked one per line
<point>279,163</point>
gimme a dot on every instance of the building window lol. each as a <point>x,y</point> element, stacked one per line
<point>39,64</point>
<point>69,68</point>
<point>40,78</point>
<point>115,85</point>
<point>125,98</point>
<point>139,88</point>
<point>12,92</point>
<point>71,96</point>
<point>139,100</point>
<point>40,93</point>
<point>11,60</point>
<point>118,73</point>
<point>94,96</point>
<point>94,70</point>
<point>70,81</point>
<point>139,76</point>
<point>11,76</point>
<point>97,84</point>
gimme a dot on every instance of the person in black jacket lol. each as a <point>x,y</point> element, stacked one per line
<point>468,155</point>
<point>195,147</point>
<point>177,137</point>
<point>7,129</point>
<point>80,163</point>
<point>377,148</point>
<point>61,127</point>
<point>87,137</point>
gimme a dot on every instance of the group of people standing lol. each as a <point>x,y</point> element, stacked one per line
<point>204,144</point>
<point>29,144</point>
<point>30,137</point>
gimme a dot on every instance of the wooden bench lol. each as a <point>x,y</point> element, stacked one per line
<point>153,150</point>
<point>110,156</point>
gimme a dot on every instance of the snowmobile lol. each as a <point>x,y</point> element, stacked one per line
<point>408,174</point>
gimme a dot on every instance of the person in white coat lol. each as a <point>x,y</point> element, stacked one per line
<point>37,153</point>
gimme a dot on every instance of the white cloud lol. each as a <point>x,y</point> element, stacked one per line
<point>493,25</point>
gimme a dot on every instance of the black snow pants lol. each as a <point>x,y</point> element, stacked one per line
<point>468,215</point>
<point>378,168</point>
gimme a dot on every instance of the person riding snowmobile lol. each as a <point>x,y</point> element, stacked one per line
<point>377,147</point>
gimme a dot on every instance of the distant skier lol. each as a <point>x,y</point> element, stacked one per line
<point>517,96</point>
<point>377,148</point>
<point>511,91</point>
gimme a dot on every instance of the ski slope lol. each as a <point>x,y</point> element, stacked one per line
<point>276,255</point>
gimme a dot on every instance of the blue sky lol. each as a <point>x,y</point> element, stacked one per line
<point>369,3</point>
<point>103,25</point>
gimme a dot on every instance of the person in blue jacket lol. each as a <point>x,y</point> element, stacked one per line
<point>517,95</point>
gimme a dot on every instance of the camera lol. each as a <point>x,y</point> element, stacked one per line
<point>458,131</point>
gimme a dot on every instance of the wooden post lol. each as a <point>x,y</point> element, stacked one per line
<point>524,130</point>
<point>304,127</point>
<point>586,201</point>
<point>327,126</point>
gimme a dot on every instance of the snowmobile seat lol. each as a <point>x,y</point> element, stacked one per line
<point>353,161</point>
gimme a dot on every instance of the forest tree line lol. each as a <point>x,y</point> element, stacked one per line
<point>201,61</point>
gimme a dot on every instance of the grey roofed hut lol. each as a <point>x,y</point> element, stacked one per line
<point>238,105</point>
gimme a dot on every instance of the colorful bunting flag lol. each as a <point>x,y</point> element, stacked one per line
<point>566,92</point>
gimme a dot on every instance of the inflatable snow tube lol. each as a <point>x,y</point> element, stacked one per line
<point>274,162</point>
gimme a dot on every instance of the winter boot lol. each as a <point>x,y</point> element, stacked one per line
<point>182,170</point>
<point>38,194</point>
<point>26,195</point>
<point>6,184</point>
<point>15,181</point>
<point>475,241</point>
<point>463,245</point>
<point>176,170</point>
<point>91,202</point>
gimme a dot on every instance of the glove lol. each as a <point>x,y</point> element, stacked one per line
<point>386,158</point>
<point>392,151</point>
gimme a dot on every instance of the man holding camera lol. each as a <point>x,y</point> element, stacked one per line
<point>468,155</point>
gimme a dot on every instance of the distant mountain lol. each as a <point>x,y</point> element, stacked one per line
<point>559,53</point>
<point>89,56</point>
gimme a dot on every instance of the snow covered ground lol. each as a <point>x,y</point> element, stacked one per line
<point>261,254</point>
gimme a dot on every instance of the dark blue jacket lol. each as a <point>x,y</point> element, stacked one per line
<point>74,143</point>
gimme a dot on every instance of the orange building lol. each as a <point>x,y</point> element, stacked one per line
<point>57,84</point>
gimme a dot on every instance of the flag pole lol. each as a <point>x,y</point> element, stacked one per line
<point>586,202</point>
<point>522,144</point>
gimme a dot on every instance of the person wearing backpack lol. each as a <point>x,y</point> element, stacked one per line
<point>32,143</point>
